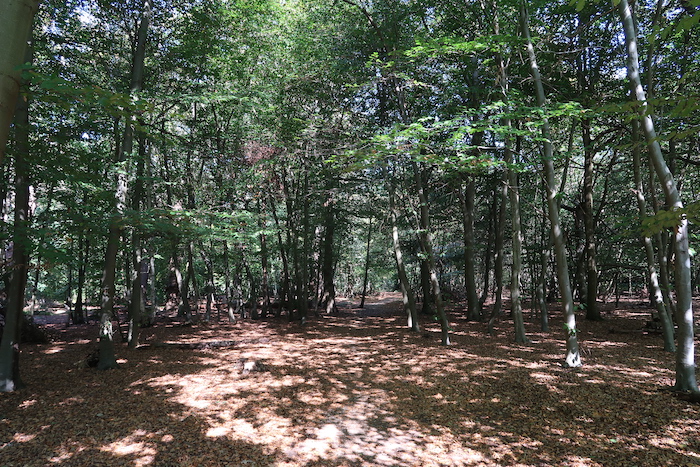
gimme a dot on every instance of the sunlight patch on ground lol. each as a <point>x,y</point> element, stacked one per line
<point>139,444</point>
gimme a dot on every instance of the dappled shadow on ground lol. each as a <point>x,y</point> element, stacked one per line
<point>353,389</point>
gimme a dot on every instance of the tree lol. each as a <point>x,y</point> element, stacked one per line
<point>685,353</point>
<point>107,356</point>
<point>573,357</point>
<point>15,23</point>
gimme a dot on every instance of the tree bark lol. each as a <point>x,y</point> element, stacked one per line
<point>409,300</point>
<point>467,201</point>
<point>685,353</point>
<point>16,17</point>
<point>652,277</point>
<point>427,246</point>
<point>592,311</point>
<point>10,344</point>
<point>328,270</point>
<point>107,356</point>
<point>573,357</point>
<point>365,277</point>
<point>499,252</point>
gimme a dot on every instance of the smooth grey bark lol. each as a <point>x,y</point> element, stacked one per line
<point>573,356</point>
<point>652,277</point>
<point>16,17</point>
<point>409,300</point>
<point>686,379</point>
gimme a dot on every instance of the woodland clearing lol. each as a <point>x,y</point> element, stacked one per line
<point>354,388</point>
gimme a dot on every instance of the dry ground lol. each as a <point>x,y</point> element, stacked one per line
<point>353,389</point>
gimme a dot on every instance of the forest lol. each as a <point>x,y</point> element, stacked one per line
<point>349,232</point>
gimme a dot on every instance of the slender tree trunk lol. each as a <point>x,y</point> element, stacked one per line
<point>137,306</point>
<point>661,239</point>
<point>183,308</point>
<point>426,288</point>
<point>264,261</point>
<point>409,300</point>
<point>83,252</point>
<point>467,201</point>
<point>685,353</point>
<point>652,277</point>
<point>303,279</point>
<point>367,257</point>
<point>328,269</point>
<point>210,283</point>
<point>488,253</point>
<point>107,357</point>
<point>427,246</point>
<point>573,357</point>
<point>284,299</point>
<point>499,251</point>
<point>592,311</point>
<point>230,307</point>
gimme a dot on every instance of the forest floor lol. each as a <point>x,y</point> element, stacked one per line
<point>353,388</point>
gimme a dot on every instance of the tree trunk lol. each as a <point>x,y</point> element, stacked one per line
<point>107,357</point>
<point>427,246</point>
<point>499,251</point>
<point>284,298</point>
<point>592,311</point>
<point>10,344</point>
<point>83,255</point>
<point>230,306</point>
<point>685,353</point>
<point>208,263</point>
<point>328,269</point>
<point>573,357</point>
<point>409,300</point>
<point>657,298</point>
<point>467,200</point>
<point>16,18</point>
<point>365,277</point>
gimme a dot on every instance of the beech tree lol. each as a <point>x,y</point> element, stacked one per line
<point>15,24</point>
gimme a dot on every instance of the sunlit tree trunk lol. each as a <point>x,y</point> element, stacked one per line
<point>573,357</point>
<point>685,352</point>
<point>652,276</point>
